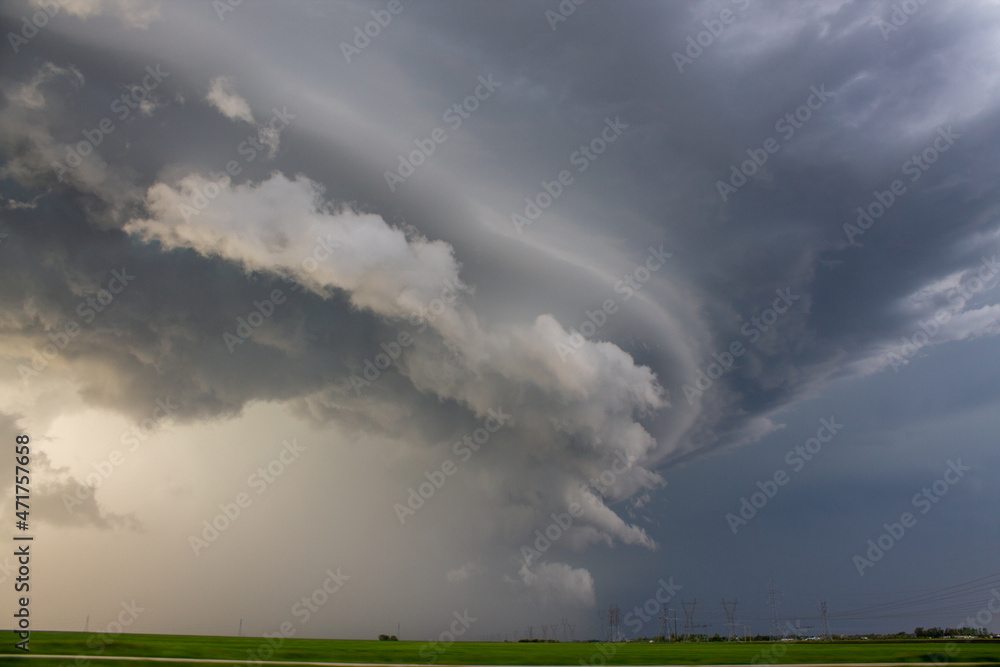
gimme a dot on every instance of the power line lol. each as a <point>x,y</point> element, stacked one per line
<point>956,599</point>
<point>947,593</point>
<point>689,623</point>
<point>730,619</point>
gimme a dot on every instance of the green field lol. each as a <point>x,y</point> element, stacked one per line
<point>240,649</point>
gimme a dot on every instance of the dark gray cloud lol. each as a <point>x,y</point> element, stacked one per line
<point>769,298</point>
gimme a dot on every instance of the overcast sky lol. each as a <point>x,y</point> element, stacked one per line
<point>517,309</point>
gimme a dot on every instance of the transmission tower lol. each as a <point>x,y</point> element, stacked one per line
<point>615,624</point>
<point>531,632</point>
<point>555,631</point>
<point>826,626</point>
<point>689,618</point>
<point>774,610</point>
<point>572,632</point>
<point>545,631</point>
<point>666,619</point>
<point>730,619</point>
<point>565,623</point>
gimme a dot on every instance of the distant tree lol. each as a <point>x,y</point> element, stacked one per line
<point>388,638</point>
<point>928,633</point>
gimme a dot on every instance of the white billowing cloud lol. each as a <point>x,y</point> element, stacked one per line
<point>571,412</point>
<point>133,13</point>
<point>283,226</point>
<point>223,96</point>
<point>604,526</point>
<point>270,137</point>
<point>559,583</point>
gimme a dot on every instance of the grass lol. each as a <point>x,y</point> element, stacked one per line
<point>240,649</point>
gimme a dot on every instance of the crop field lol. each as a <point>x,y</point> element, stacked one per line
<point>249,650</point>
